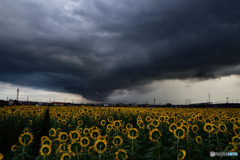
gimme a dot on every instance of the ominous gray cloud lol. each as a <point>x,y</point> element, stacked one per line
<point>88,45</point>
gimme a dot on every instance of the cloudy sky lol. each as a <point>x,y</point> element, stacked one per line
<point>129,51</point>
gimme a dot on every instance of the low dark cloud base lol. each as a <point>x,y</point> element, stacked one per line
<point>84,46</point>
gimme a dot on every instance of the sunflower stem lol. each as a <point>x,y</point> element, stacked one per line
<point>23,148</point>
<point>209,141</point>
<point>77,153</point>
<point>85,151</point>
<point>100,153</point>
<point>177,141</point>
<point>189,147</point>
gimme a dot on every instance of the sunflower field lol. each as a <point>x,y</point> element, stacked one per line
<point>117,133</point>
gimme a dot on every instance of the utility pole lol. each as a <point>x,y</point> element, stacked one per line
<point>27,98</point>
<point>209,97</point>
<point>17,93</point>
<point>190,101</point>
<point>154,101</point>
<point>227,99</point>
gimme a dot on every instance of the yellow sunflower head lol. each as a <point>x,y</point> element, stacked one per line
<point>14,148</point>
<point>155,123</point>
<point>63,136</point>
<point>46,141</point>
<point>132,133</point>
<point>179,133</point>
<point>121,154</point>
<point>90,149</point>
<point>182,154</point>
<point>236,139</point>
<point>110,119</point>
<point>222,127</point>
<point>148,118</point>
<point>45,150</point>
<point>86,131</point>
<point>100,146</point>
<point>103,122</point>
<point>74,135</point>
<point>52,132</point>
<point>199,139</point>
<point>208,127</point>
<point>84,141</point>
<point>155,135</point>
<point>65,156</point>
<point>117,141</point>
<point>25,138</point>
<point>124,131</point>
<point>80,122</point>
<point>75,148</point>
<point>1,156</point>
<point>172,127</point>
<point>56,142</point>
<point>94,134</point>
<point>195,128</point>
<point>129,126</point>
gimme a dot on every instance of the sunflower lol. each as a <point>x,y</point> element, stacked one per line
<point>74,148</point>
<point>45,150</point>
<point>179,133</point>
<point>236,140</point>
<point>215,129</point>
<point>110,119</point>
<point>172,127</point>
<point>199,139</point>
<point>84,141</point>
<point>90,149</point>
<point>195,128</point>
<point>94,134</point>
<point>30,122</point>
<point>1,156</point>
<point>86,131</point>
<point>44,137</point>
<point>155,123</point>
<point>150,126</point>
<point>65,156</point>
<point>124,131</point>
<point>103,122</point>
<point>59,120</point>
<point>129,126</point>
<point>64,122</point>
<point>148,118</point>
<point>59,130</point>
<point>117,141</point>
<point>208,127</point>
<point>63,136</point>
<point>117,123</point>
<point>222,127</point>
<point>46,142</point>
<point>26,130</point>
<point>56,142</point>
<point>236,131</point>
<point>132,133</point>
<point>74,135</point>
<point>14,148</point>
<point>121,154</point>
<point>182,154</point>
<point>100,146</point>
<point>80,122</point>
<point>154,135</point>
<point>141,125</point>
<point>25,138</point>
<point>52,132</point>
<point>109,126</point>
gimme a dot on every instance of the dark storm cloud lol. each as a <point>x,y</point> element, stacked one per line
<point>84,46</point>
